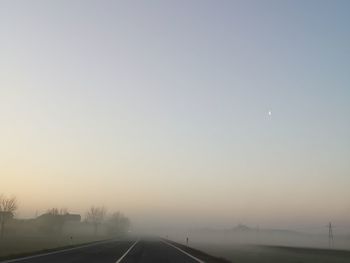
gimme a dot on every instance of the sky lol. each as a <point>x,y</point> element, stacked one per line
<point>200,113</point>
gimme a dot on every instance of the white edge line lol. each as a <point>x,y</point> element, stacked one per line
<point>197,259</point>
<point>54,252</point>
<point>124,255</point>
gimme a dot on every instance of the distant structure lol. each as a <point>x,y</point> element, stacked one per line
<point>330,236</point>
<point>66,217</point>
<point>72,217</point>
<point>53,223</point>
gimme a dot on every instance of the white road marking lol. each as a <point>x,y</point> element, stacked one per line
<point>124,255</point>
<point>197,259</point>
<point>55,252</point>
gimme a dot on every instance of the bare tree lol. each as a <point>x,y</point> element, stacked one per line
<point>118,224</point>
<point>95,216</point>
<point>8,207</point>
<point>53,211</point>
<point>63,211</point>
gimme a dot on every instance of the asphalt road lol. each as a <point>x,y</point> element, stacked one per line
<point>156,251</point>
<point>143,251</point>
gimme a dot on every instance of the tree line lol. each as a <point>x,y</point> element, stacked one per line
<point>54,219</point>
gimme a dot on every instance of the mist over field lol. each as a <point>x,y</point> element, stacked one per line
<point>201,122</point>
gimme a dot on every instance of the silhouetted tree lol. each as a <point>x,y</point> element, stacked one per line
<point>95,216</point>
<point>8,207</point>
<point>118,224</point>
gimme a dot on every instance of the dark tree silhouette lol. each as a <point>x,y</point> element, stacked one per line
<point>8,207</point>
<point>95,216</point>
<point>118,224</point>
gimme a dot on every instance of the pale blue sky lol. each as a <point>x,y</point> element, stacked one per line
<point>163,106</point>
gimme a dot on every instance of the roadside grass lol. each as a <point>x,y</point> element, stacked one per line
<point>268,254</point>
<point>14,247</point>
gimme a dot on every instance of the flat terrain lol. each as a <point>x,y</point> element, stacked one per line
<point>22,245</point>
<point>265,254</point>
<point>155,250</point>
<point>128,251</point>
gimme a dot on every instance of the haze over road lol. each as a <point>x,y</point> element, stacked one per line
<point>128,251</point>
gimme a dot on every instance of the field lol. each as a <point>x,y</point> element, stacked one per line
<point>21,245</point>
<point>268,254</point>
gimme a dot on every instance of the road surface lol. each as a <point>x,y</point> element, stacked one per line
<point>156,251</point>
<point>132,251</point>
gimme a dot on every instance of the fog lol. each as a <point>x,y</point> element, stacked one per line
<point>99,223</point>
<point>189,118</point>
<point>243,235</point>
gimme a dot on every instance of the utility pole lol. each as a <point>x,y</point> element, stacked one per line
<point>330,236</point>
